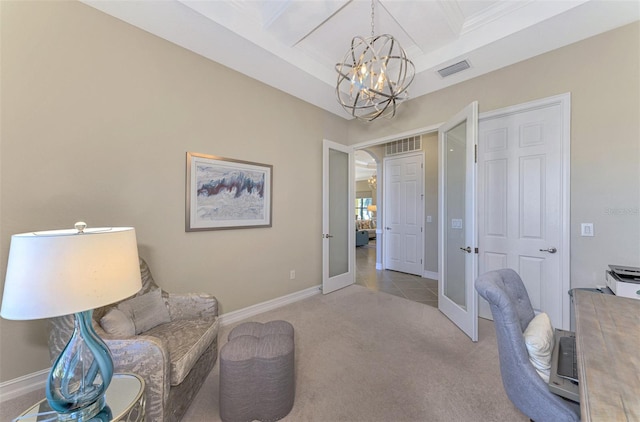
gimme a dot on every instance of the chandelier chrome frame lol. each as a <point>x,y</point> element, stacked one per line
<point>374,76</point>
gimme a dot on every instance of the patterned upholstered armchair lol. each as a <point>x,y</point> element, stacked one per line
<point>170,340</point>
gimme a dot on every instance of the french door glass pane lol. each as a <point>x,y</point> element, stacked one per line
<point>338,204</point>
<point>455,173</point>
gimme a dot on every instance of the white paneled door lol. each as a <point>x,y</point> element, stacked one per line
<point>523,200</point>
<point>457,240</point>
<point>403,213</point>
<point>338,225</point>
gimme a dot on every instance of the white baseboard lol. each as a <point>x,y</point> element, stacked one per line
<point>37,380</point>
<point>240,314</point>
<point>23,385</point>
<point>431,274</point>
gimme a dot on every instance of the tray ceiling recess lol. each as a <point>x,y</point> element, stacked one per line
<point>294,45</point>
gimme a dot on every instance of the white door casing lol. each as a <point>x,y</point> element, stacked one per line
<point>457,240</point>
<point>338,225</point>
<point>523,198</point>
<point>403,213</point>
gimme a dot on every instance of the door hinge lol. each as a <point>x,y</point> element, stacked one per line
<point>475,149</point>
<point>476,250</point>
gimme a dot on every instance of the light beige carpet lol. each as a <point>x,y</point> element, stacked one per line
<point>368,356</point>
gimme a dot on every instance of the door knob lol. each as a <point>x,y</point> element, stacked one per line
<point>467,249</point>
<point>326,236</point>
<point>388,228</point>
<point>550,250</point>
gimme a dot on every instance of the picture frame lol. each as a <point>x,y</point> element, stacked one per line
<point>225,193</point>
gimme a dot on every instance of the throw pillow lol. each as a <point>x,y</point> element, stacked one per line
<point>116,323</point>
<point>146,311</point>
<point>538,337</point>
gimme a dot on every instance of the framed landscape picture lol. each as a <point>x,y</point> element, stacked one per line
<point>223,193</point>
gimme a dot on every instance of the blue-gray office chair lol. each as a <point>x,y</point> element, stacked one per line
<point>512,312</point>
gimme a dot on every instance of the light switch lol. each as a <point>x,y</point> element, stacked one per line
<point>429,220</point>
<point>586,229</point>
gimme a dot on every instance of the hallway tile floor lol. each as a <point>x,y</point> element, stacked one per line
<point>409,286</point>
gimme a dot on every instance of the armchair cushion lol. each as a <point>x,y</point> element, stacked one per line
<point>539,339</point>
<point>186,340</point>
<point>146,311</point>
<point>117,323</point>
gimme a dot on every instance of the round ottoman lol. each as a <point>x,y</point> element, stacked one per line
<point>257,378</point>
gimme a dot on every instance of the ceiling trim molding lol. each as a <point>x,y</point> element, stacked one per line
<point>453,15</point>
<point>492,13</point>
<point>293,46</point>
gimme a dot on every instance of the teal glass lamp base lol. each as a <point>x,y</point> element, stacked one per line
<point>87,413</point>
<point>80,376</point>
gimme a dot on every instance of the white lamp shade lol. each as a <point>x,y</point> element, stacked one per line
<point>62,272</point>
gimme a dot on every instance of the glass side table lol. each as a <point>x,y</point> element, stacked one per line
<point>124,397</point>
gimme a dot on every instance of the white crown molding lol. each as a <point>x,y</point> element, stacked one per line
<point>453,15</point>
<point>492,13</point>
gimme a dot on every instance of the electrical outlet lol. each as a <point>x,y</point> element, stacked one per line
<point>586,229</point>
<point>292,275</point>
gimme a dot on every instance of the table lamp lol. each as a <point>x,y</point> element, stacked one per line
<point>62,272</point>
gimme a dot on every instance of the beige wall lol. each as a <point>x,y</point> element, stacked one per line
<point>97,117</point>
<point>603,76</point>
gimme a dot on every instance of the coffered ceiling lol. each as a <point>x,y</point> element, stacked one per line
<point>294,45</point>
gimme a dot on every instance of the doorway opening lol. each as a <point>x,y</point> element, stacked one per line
<point>371,270</point>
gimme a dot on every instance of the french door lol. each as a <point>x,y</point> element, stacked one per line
<point>523,198</point>
<point>457,243</point>
<point>338,225</point>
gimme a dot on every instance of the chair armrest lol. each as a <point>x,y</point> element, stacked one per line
<point>192,305</point>
<point>146,356</point>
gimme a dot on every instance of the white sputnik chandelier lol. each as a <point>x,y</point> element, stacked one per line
<point>374,76</point>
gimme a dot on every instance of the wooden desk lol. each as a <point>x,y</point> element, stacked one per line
<point>608,343</point>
